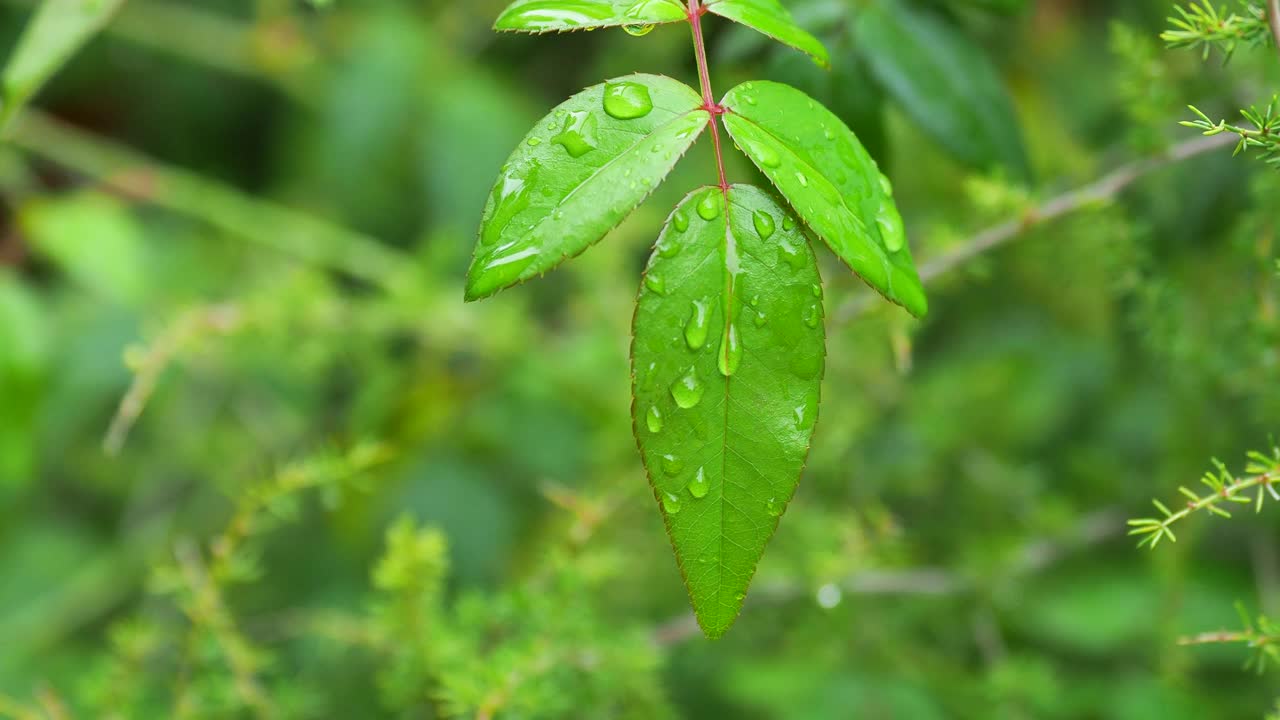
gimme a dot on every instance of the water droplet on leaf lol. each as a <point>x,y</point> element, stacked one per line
<point>627,100</point>
<point>638,30</point>
<point>687,391</point>
<point>671,503</point>
<point>698,486</point>
<point>709,205</point>
<point>812,315</point>
<point>579,135</point>
<point>695,331</point>
<point>680,220</point>
<point>730,353</point>
<point>791,254</point>
<point>672,465</point>
<point>773,507</point>
<point>510,196</point>
<point>654,282</point>
<point>654,419</point>
<point>764,224</point>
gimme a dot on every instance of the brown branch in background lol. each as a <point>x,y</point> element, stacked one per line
<point>1034,557</point>
<point>1101,190</point>
<point>151,362</point>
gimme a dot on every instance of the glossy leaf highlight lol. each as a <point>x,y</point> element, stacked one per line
<point>540,16</point>
<point>727,361</point>
<point>578,173</point>
<point>831,182</point>
<point>771,18</point>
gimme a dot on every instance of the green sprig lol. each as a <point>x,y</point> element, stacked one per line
<point>1207,27</point>
<point>1264,135</point>
<point>1263,471</point>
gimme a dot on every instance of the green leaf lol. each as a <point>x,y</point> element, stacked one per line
<point>848,90</point>
<point>727,361</point>
<point>92,238</point>
<point>58,29</point>
<point>579,172</point>
<point>944,82</point>
<point>771,18</point>
<point>540,16</point>
<point>830,180</point>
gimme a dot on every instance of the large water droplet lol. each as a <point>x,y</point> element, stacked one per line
<point>510,196</point>
<point>680,221</point>
<point>730,353</point>
<point>764,224</point>
<point>695,331</point>
<point>654,282</point>
<point>687,391</point>
<point>627,100</point>
<point>698,486</point>
<point>709,205</point>
<point>638,30</point>
<point>670,503</point>
<point>579,135</point>
<point>672,465</point>
<point>653,419</point>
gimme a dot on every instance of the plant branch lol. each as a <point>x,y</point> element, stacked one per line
<point>1033,557</point>
<point>708,98</point>
<point>1223,488</point>
<point>1102,190</point>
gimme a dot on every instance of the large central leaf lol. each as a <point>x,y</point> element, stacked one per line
<point>579,172</point>
<point>727,361</point>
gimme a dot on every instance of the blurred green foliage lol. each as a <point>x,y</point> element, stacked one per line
<point>257,458</point>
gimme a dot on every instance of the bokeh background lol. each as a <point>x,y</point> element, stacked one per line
<point>258,459</point>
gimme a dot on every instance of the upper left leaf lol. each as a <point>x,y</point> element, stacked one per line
<point>579,172</point>
<point>540,16</point>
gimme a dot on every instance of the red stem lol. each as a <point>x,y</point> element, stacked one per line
<point>696,10</point>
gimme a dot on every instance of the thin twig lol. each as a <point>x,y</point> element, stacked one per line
<point>208,608</point>
<point>1099,191</point>
<point>1034,557</point>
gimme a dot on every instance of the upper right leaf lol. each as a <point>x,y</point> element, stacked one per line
<point>944,82</point>
<point>770,18</point>
<point>837,189</point>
